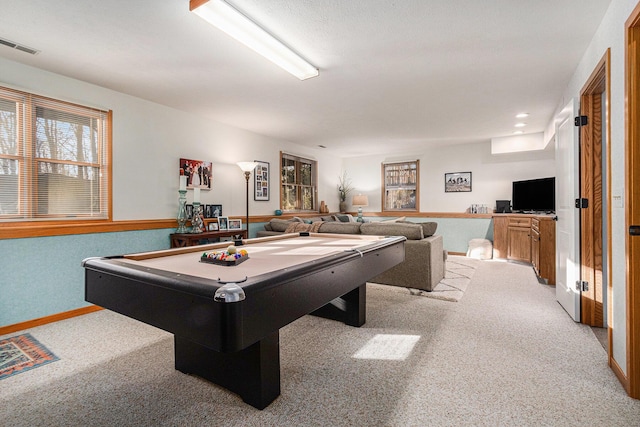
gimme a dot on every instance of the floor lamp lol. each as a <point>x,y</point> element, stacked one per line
<point>247,167</point>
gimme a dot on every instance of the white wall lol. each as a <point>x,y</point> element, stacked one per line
<point>610,34</point>
<point>149,139</point>
<point>491,174</point>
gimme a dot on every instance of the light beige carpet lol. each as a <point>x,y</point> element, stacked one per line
<point>458,273</point>
<point>505,355</point>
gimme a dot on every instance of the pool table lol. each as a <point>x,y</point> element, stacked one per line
<point>226,319</point>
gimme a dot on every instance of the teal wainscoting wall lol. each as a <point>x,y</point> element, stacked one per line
<point>43,276</point>
<point>456,232</point>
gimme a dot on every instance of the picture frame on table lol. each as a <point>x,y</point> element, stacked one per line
<point>457,182</point>
<point>223,222</point>
<point>213,226</point>
<point>261,181</point>
<point>234,224</point>
<point>216,211</point>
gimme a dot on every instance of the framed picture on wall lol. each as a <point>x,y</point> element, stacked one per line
<point>457,182</point>
<point>199,173</point>
<point>261,181</point>
<point>189,209</point>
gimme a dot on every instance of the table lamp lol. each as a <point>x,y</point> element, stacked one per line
<point>360,201</point>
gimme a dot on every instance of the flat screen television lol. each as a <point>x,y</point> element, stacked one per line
<point>534,195</point>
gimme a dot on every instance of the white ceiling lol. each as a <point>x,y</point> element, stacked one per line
<point>393,73</point>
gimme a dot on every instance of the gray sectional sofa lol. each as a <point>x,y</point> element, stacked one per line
<point>424,264</point>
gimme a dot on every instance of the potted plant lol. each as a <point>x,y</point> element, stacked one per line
<point>344,188</point>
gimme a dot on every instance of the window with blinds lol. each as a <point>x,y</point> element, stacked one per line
<point>298,183</point>
<point>400,183</point>
<point>54,159</point>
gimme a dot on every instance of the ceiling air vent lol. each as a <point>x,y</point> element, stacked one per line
<point>17,46</point>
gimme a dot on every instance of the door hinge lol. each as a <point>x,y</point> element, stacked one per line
<point>582,286</point>
<point>582,203</point>
<point>580,121</point>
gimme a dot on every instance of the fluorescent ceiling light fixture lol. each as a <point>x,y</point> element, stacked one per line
<point>522,115</point>
<point>518,132</point>
<point>520,125</point>
<point>225,17</point>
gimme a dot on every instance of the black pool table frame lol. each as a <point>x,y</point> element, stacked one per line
<point>236,344</point>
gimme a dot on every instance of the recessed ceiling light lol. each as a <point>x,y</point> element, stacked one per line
<point>518,132</point>
<point>520,125</point>
<point>522,115</point>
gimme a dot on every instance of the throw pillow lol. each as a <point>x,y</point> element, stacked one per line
<point>343,218</point>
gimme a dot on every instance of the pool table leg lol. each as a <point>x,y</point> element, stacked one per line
<point>350,308</point>
<point>253,373</point>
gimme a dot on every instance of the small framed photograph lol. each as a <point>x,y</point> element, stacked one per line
<point>189,209</point>
<point>235,224</point>
<point>222,223</point>
<point>208,213</point>
<point>216,211</point>
<point>261,181</point>
<point>213,226</point>
<point>457,182</point>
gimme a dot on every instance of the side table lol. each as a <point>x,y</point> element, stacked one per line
<point>181,240</point>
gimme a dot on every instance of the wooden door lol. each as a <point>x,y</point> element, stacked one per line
<point>591,188</point>
<point>632,206</point>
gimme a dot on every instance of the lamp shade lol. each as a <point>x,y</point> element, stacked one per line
<point>360,200</point>
<point>247,166</point>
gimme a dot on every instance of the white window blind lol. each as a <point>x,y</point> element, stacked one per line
<point>53,159</point>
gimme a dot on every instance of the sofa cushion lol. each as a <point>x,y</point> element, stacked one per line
<point>340,227</point>
<point>428,228</point>
<point>410,231</point>
<point>281,224</point>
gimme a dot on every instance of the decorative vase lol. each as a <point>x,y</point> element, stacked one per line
<point>182,212</point>
<point>343,206</point>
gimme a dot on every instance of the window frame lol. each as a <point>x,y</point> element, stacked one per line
<point>400,181</point>
<point>16,225</point>
<point>299,160</point>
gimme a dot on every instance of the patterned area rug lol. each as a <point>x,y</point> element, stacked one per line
<point>21,353</point>
<point>457,276</point>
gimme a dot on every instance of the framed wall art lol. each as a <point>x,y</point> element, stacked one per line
<point>198,172</point>
<point>261,181</point>
<point>457,182</point>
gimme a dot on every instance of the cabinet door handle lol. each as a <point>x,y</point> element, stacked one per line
<point>634,230</point>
